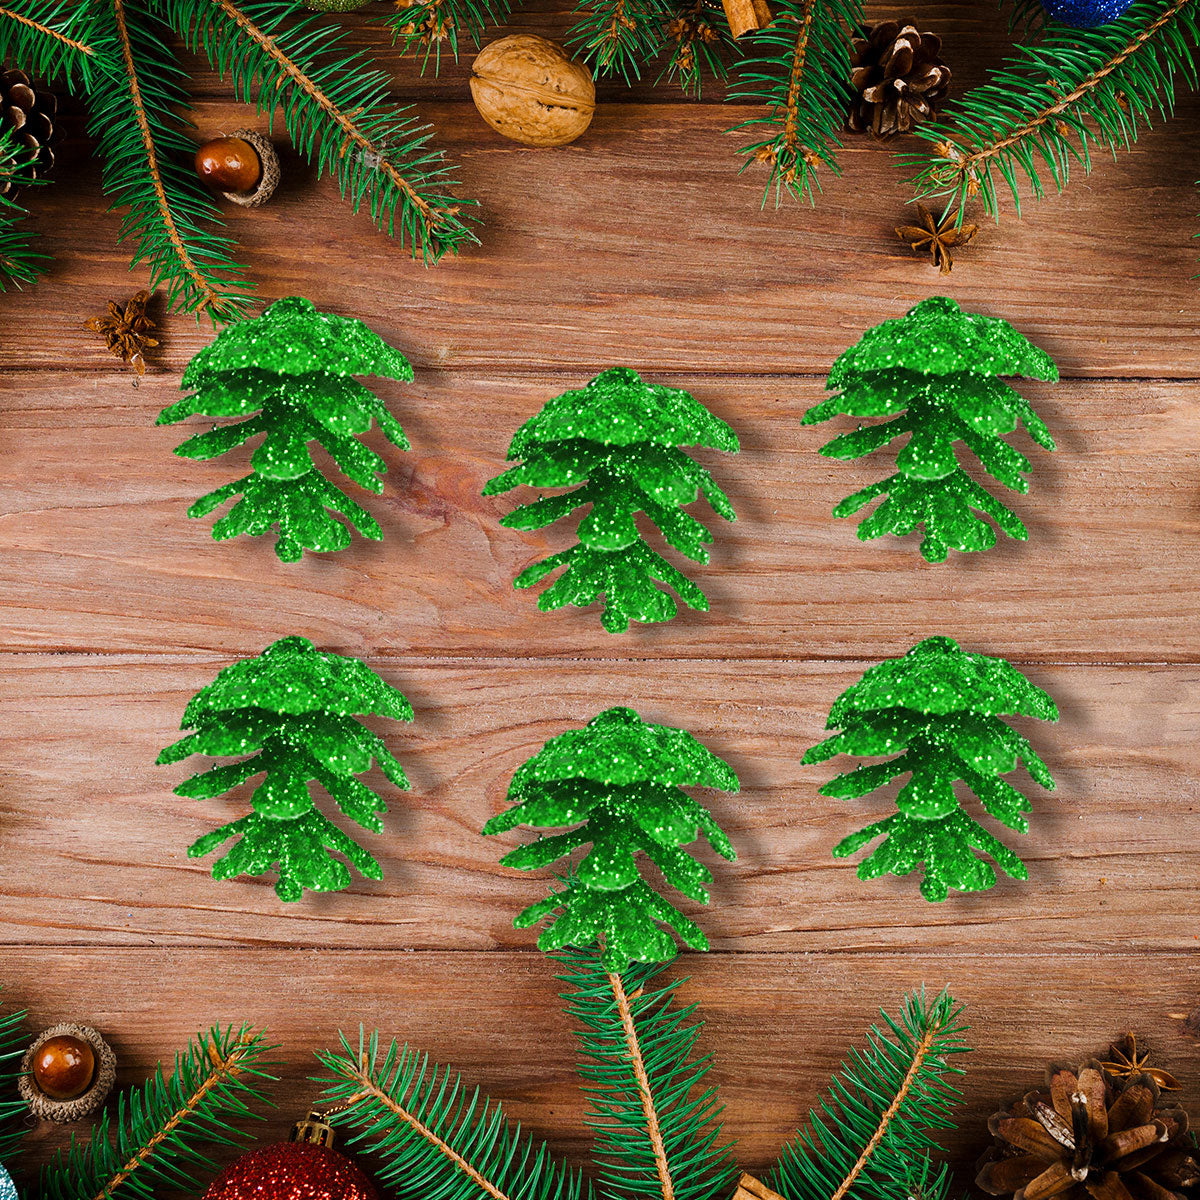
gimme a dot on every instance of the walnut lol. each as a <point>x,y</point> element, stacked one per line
<point>530,90</point>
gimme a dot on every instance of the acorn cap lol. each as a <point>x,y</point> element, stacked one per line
<point>269,179</point>
<point>64,1111</point>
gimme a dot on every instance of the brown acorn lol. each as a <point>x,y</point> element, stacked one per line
<point>242,166</point>
<point>67,1073</point>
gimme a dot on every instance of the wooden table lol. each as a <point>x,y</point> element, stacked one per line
<point>639,246</point>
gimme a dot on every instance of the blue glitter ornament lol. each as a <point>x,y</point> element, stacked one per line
<point>8,1189</point>
<point>1085,14</point>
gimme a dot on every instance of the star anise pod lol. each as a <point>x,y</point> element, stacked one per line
<point>935,238</point>
<point>1125,1061</point>
<point>126,331</point>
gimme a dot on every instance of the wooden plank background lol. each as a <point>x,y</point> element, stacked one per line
<point>638,245</point>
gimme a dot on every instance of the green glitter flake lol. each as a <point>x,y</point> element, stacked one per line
<point>617,784</point>
<point>291,710</point>
<point>936,372</point>
<point>938,708</point>
<point>617,443</point>
<point>288,373</point>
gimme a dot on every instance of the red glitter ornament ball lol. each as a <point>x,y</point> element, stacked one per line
<point>292,1171</point>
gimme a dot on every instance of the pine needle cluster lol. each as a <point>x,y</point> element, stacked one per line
<point>798,70</point>
<point>118,55</point>
<point>1056,99</point>
<point>654,1113</point>
<point>13,1041</point>
<point>20,262</point>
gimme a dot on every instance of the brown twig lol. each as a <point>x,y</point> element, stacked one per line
<point>353,134</point>
<point>919,1056</point>
<point>653,1131</point>
<point>799,57</point>
<point>228,1067</point>
<point>46,31</point>
<point>369,1088</point>
<point>209,297</point>
<point>966,164</point>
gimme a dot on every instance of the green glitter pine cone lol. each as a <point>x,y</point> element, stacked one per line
<point>288,372</point>
<point>617,442</point>
<point>940,708</point>
<point>618,782</point>
<point>292,711</point>
<point>936,373</point>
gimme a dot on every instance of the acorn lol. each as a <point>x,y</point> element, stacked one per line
<point>67,1073</point>
<point>242,167</point>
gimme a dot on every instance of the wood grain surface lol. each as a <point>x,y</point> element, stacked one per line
<point>638,245</point>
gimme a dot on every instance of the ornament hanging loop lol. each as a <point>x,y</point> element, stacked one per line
<point>314,1130</point>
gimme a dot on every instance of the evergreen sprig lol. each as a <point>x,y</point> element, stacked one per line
<point>937,709</point>
<point>52,38</point>
<point>336,110</point>
<point>19,261</point>
<point>698,41</point>
<point>617,37</point>
<point>14,1040</point>
<point>872,1136</point>
<point>798,70</point>
<point>1052,102</point>
<point>163,1128</point>
<point>434,1137</point>
<point>134,117</point>
<point>657,1123</point>
<point>426,25</point>
<point>618,783</point>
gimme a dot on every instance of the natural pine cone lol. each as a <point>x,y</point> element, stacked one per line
<point>897,77</point>
<point>29,112</point>
<point>1090,1136</point>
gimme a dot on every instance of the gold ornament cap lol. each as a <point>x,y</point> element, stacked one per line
<point>314,1130</point>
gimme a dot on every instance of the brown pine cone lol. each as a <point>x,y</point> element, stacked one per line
<point>28,110</point>
<point>897,78</point>
<point>1091,1136</point>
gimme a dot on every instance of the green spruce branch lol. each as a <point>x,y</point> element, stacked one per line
<point>19,261</point>
<point>163,1130</point>
<point>698,41</point>
<point>617,37</point>
<point>53,38</point>
<point>873,1134</point>
<point>147,168</point>
<point>336,111</point>
<point>797,69</point>
<point>656,1122</point>
<point>13,1110</point>
<point>433,1135</point>
<point>427,25</point>
<point>1052,102</point>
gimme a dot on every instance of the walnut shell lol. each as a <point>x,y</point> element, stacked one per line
<point>530,90</point>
